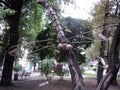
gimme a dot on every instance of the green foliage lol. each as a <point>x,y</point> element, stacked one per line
<point>78,31</point>
<point>99,20</point>
<point>60,73</point>
<point>17,68</point>
<point>47,66</point>
<point>98,13</point>
<point>93,50</point>
<point>49,46</point>
<point>31,21</point>
<point>36,23</point>
<point>94,68</point>
<point>4,12</point>
<point>89,75</point>
<point>33,58</point>
<point>4,37</point>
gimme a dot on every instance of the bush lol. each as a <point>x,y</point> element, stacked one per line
<point>94,68</point>
<point>58,70</point>
<point>46,66</point>
<point>17,68</point>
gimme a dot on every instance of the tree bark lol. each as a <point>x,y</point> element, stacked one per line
<point>114,79</point>
<point>34,65</point>
<point>114,63</point>
<point>5,41</point>
<point>99,72</point>
<point>55,20</point>
<point>102,49</point>
<point>13,21</point>
<point>76,75</point>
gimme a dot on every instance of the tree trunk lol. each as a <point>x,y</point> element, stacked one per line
<point>1,60</point>
<point>114,63</point>
<point>76,75</point>
<point>7,70</point>
<point>114,82</point>
<point>99,72</point>
<point>13,21</point>
<point>34,65</point>
<point>5,41</point>
<point>55,20</point>
<point>102,49</point>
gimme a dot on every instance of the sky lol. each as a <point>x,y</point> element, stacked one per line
<point>82,10</point>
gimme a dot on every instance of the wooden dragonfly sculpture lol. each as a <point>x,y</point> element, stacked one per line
<point>65,46</point>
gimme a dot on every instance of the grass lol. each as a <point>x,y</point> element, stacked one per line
<point>89,75</point>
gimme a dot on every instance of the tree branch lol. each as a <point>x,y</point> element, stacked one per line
<point>117,7</point>
<point>113,15</point>
<point>5,4</point>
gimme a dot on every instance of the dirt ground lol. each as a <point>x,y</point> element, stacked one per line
<point>54,84</point>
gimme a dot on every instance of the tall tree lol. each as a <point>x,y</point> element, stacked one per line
<point>113,63</point>
<point>102,49</point>
<point>104,20</point>
<point>13,21</point>
<point>34,59</point>
<point>113,59</point>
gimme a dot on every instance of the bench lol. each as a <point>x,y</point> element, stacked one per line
<point>24,75</point>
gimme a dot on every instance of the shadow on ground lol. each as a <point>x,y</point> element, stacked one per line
<point>55,84</point>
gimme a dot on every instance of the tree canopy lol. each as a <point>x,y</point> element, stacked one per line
<point>26,25</point>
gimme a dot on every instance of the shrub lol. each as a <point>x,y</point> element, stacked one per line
<point>94,68</point>
<point>47,66</point>
<point>17,68</point>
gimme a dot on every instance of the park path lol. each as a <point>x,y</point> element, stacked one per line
<point>35,82</point>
